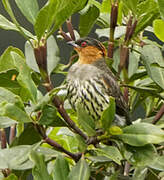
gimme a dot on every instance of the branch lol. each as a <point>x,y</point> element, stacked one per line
<point>159,114</point>
<point>59,105</point>
<point>54,144</point>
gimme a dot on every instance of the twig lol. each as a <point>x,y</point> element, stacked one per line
<point>41,130</point>
<point>65,36</point>
<point>159,114</point>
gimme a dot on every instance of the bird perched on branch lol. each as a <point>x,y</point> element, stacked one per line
<point>90,82</point>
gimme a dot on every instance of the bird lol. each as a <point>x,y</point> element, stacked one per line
<point>90,81</point>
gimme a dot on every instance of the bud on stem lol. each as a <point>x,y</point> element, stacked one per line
<point>40,53</point>
<point>3,138</point>
<point>70,29</point>
<point>113,24</point>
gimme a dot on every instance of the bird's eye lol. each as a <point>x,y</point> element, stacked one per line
<point>83,44</point>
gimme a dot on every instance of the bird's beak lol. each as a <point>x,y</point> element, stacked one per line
<point>72,43</point>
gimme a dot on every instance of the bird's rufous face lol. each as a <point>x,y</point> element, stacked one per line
<point>87,51</point>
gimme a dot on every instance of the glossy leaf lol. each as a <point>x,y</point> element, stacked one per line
<point>40,170</point>
<point>13,58</point>
<point>108,114</point>
<point>6,95</point>
<point>56,12</point>
<point>45,18</point>
<point>119,31</point>
<point>140,173</point>
<point>110,152</point>
<point>140,134</point>
<point>8,8</point>
<point>61,169</point>
<point>24,78</point>
<point>140,156</point>
<point>132,5</point>
<point>14,112</point>
<point>161,7</point>
<point>49,117</point>
<point>6,24</point>
<point>29,136</point>
<point>133,64</point>
<point>6,122</point>
<point>106,6</point>
<point>85,121</point>
<point>15,158</point>
<point>87,20</point>
<point>152,54</point>
<point>158,24</point>
<point>80,171</point>
<point>29,9</point>
<point>147,12</point>
<point>158,164</point>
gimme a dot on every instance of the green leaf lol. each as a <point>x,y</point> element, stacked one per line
<point>6,61</point>
<point>24,78</point>
<point>29,136</point>
<point>147,11</point>
<point>6,122</point>
<point>158,24</point>
<point>141,156</point>
<point>13,58</point>
<point>61,169</point>
<point>29,9</point>
<point>99,159</point>
<point>6,24</point>
<point>49,117</point>
<point>80,171</point>
<point>11,177</point>
<point>15,158</point>
<point>132,5</point>
<point>14,112</point>
<point>140,134</point>
<point>56,12</point>
<point>119,31</point>
<point>85,121</point>
<point>151,54</point>
<point>106,6</point>
<point>110,152</point>
<point>133,64</point>
<point>161,8</point>
<point>87,20</point>
<point>6,95</point>
<point>53,56</point>
<point>140,173</point>
<point>158,164</point>
<point>8,81</point>
<point>39,171</point>
<point>108,114</point>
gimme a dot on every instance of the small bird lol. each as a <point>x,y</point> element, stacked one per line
<point>90,82</point>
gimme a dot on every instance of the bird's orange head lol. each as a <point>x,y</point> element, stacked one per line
<point>89,50</point>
